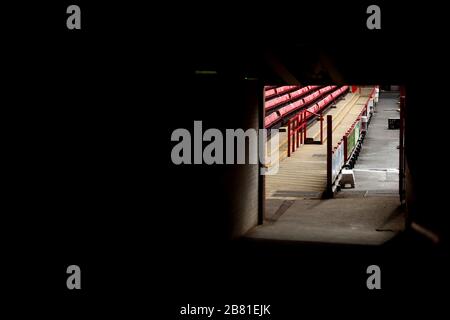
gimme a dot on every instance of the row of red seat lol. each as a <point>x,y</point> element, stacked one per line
<point>273,103</point>
<point>327,89</point>
<point>277,101</point>
<point>271,119</point>
<point>306,100</point>
<point>340,91</point>
<point>278,90</point>
<point>316,108</point>
<point>319,106</point>
<point>302,91</point>
<point>311,97</point>
<point>275,116</point>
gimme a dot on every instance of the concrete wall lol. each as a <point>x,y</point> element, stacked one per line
<point>243,179</point>
<point>216,202</point>
<point>426,165</point>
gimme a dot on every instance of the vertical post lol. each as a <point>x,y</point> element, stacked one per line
<point>297,128</point>
<point>294,133</point>
<point>306,122</point>
<point>321,129</point>
<point>294,125</point>
<point>345,149</point>
<point>301,126</point>
<point>293,136</point>
<point>289,139</point>
<point>402,185</point>
<point>300,121</point>
<point>329,191</point>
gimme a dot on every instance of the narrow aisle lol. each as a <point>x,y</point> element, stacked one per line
<point>376,170</point>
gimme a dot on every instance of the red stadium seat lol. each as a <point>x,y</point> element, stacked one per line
<point>270,119</point>
<point>309,98</point>
<point>321,104</point>
<point>298,103</point>
<point>270,93</point>
<point>284,98</point>
<point>324,89</point>
<point>304,90</point>
<point>280,90</point>
<point>272,103</point>
<point>285,88</point>
<point>294,94</point>
<point>282,111</point>
<point>289,108</point>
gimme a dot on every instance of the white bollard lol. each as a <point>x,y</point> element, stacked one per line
<point>347,177</point>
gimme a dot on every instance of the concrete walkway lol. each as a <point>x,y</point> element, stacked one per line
<point>376,170</point>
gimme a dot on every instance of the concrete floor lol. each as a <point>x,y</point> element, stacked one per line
<point>376,170</point>
<point>368,221</point>
<point>369,214</point>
